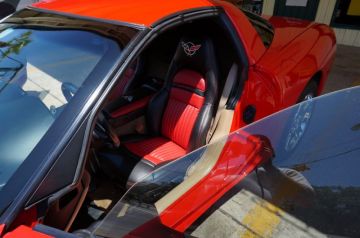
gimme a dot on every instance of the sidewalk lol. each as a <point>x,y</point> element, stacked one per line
<point>346,69</point>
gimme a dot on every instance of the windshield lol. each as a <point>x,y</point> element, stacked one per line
<point>294,173</point>
<point>41,70</point>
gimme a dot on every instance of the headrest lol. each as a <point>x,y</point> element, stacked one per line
<point>195,53</point>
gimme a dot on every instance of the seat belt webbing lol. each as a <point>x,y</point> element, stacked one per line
<point>229,84</point>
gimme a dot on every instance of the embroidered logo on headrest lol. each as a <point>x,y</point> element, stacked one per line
<point>190,48</point>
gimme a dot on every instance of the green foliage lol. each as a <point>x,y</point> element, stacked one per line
<point>15,45</point>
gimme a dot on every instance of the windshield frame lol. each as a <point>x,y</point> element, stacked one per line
<point>23,182</point>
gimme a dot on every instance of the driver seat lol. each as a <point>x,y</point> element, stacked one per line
<point>178,116</point>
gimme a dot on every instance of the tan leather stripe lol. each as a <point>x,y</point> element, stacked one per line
<point>196,172</point>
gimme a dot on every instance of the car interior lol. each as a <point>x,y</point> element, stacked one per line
<point>165,105</point>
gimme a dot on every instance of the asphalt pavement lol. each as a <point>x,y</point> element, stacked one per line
<point>346,69</point>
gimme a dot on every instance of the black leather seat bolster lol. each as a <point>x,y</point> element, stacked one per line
<point>141,170</point>
<point>155,111</point>
<point>211,72</point>
<point>124,167</point>
<point>201,127</point>
<point>117,163</point>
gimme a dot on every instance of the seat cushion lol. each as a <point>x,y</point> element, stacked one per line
<point>156,150</point>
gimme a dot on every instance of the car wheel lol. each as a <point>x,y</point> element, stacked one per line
<point>297,124</point>
<point>309,92</point>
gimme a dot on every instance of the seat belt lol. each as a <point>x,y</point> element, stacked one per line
<point>229,84</point>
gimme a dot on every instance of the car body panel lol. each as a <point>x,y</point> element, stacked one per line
<point>24,231</point>
<point>299,51</point>
<point>2,227</point>
<point>137,12</point>
<point>286,30</point>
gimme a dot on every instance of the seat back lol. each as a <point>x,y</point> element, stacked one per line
<point>183,107</point>
<point>182,111</point>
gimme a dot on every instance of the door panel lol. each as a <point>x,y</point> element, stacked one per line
<point>135,126</point>
<point>65,208</point>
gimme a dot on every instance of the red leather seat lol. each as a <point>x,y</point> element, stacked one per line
<point>179,116</point>
<point>182,109</point>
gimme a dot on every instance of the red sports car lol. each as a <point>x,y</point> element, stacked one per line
<point>95,95</point>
